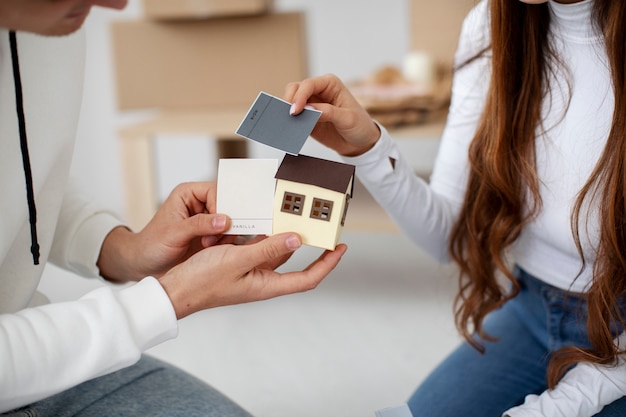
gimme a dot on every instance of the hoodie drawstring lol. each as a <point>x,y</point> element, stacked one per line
<point>28,175</point>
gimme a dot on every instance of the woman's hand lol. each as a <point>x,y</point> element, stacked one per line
<point>228,274</point>
<point>344,125</point>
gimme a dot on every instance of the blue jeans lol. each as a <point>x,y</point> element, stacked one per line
<point>148,388</point>
<point>529,328</point>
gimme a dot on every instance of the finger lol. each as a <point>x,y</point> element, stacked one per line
<point>227,239</point>
<point>255,239</point>
<point>290,91</point>
<point>198,197</point>
<point>324,87</point>
<point>301,96</point>
<point>330,113</point>
<point>208,241</point>
<point>273,264</point>
<point>269,249</point>
<point>200,225</point>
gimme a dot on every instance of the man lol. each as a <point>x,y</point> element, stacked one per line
<point>84,357</point>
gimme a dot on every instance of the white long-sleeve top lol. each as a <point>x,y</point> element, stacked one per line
<point>45,349</point>
<point>568,147</point>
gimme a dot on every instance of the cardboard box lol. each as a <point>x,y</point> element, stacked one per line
<point>205,64</point>
<point>436,25</point>
<point>202,9</point>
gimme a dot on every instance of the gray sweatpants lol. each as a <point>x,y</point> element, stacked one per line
<point>148,388</point>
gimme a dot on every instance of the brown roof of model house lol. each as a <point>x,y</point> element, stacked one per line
<point>323,173</point>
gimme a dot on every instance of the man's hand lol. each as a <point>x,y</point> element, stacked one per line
<point>227,274</point>
<point>183,225</point>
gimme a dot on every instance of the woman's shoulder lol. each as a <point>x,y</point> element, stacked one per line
<point>474,36</point>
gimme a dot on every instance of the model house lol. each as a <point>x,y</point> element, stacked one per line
<point>311,198</point>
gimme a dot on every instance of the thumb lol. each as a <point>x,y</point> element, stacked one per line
<point>270,249</point>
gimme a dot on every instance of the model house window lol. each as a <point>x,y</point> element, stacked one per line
<point>321,209</point>
<point>292,203</point>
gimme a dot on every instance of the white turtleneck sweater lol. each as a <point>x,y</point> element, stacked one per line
<point>45,349</point>
<point>567,151</point>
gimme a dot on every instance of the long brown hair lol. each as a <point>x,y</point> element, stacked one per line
<point>502,194</point>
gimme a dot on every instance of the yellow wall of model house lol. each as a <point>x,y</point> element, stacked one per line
<point>314,232</point>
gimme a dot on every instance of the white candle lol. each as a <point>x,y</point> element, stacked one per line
<point>419,68</point>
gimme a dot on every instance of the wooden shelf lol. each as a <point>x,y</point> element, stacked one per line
<point>432,129</point>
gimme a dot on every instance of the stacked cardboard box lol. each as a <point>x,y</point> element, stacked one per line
<point>211,62</point>
<point>436,25</point>
<point>200,9</point>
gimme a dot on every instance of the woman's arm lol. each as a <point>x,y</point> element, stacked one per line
<point>582,392</point>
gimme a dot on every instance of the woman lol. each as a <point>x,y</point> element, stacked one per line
<point>528,197</point>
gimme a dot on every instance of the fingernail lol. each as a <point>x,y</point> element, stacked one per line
<point>219,222</point>
<point>292,109</point>
<point>293,242</point>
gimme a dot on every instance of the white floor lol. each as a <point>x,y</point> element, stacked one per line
<point>359,342</point>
